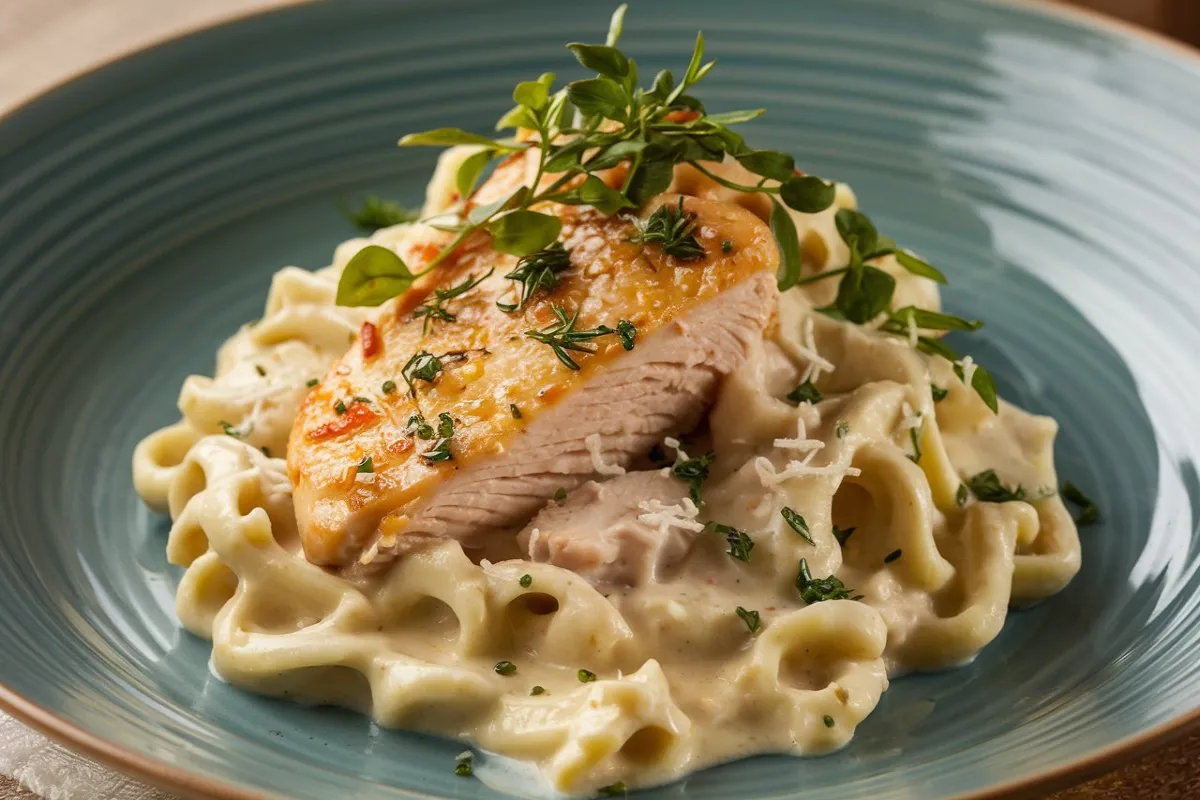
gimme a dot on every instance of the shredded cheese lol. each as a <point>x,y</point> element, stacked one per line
<point>968,366</point>
<point>910,418</point>
<point>816,362</point>
<point>801,443</point>
<point>595,450</point>
<point>770,478</point>
<point>664,517</point>
<point>364,477</point>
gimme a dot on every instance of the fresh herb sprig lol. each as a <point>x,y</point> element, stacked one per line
<point>436,308</point>
<point>673,230</point>
<point>563,337</point>
<point>376,213</point>
<point>588,126</point>
<point>536,271</point>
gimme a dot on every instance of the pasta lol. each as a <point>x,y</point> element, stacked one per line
<point>719,659</point>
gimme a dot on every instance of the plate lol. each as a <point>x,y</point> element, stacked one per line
<point>1047,163</point>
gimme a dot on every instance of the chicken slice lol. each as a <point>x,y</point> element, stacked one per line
<point>520,416</point>
<point>627,531</point>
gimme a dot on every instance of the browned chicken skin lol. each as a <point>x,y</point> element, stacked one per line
<point>694,319</point>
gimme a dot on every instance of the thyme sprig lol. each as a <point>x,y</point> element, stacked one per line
<point>563,337</point>
<point>436,308</point>
<point>673,230</point>
<point>536,271</point>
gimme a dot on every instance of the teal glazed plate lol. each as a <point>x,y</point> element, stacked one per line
<point>1049,163</point>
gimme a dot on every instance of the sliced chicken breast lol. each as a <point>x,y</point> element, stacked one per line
<point>627,531</point>
<point>521,419</point>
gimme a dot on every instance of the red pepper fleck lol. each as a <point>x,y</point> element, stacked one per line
<point>370,340</point>
<point>681,116</point>
<point>356,416</point>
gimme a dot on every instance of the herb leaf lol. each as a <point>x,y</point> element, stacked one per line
<point>740,543</point>
<point>816,590</point>
<point>436,309</point>
<point>423,366</point>
<point>751,618</point>
<point>694,472</point>
<point>441,448</point>
<point>790,261</point>
<point>807,194</point>
<point>987,487</point>
<point>627,333</point>
<point>520,233</point>
<point>374,275</point>
<point>797,523</point>
<point>562,337</point>
<point>1089,512</point>
<point>376,213</point>
<point>536,271</point>
<point>672,229</point>
<point>806,392</point>
<point>842,534</point>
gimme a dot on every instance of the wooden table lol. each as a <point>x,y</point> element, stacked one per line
<point>43,41</point>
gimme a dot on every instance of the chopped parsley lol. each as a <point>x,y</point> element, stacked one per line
<point>694,472</point>
<point>424,366</point>
<point>1089,512</point>
<point>388,386</point>
<point>829,723</point>
<point>261,372</point>
<point>939,394</point>
<point>987,487</point>
<point>463,768</point>
<point>961,495</point>
<point>892,556</point>
<point>617,789</point>
<point>815,590</point>
<point>842,429</point>
<point>842,534</point>
<point>672,229</point>
<point>441,448</point>
<point>914,434</point>
<point>536,271</point>
<point>340,407</point>
<point>366,466</point>
<point>798,524</point>
<point>229,430</point>
<point>750,618</point>
<point>740,543</point>
<point>512,409</point>
<point>585,676</point>
<point>311,382</point>
<point>806,392</point>
<point>560,494</point>
<point>727,246</point>
<point>627,333</point>
<point>419,427</point>
<point>526,581</point>
<point>505,668</point>
<point>536,690</point>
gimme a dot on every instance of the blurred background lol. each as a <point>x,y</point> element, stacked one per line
<point>45,41</point>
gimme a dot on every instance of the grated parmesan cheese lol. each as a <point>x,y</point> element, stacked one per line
<point>910,418</point>
<point>595,450</point>
<point>364,477</point>
<point>769,478</point>
<point>801,442</point>
<point>665,517</point>
<point>816,363</point>
<point>968,366</point>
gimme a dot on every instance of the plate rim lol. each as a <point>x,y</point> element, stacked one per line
<point>193,784</point>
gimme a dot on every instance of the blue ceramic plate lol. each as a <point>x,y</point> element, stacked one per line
<point>1048,164</point>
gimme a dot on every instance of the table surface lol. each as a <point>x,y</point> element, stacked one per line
<point>44,41</point>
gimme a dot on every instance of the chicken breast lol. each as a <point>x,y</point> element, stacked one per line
<point>519,416</point>
<point>626,531</point>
